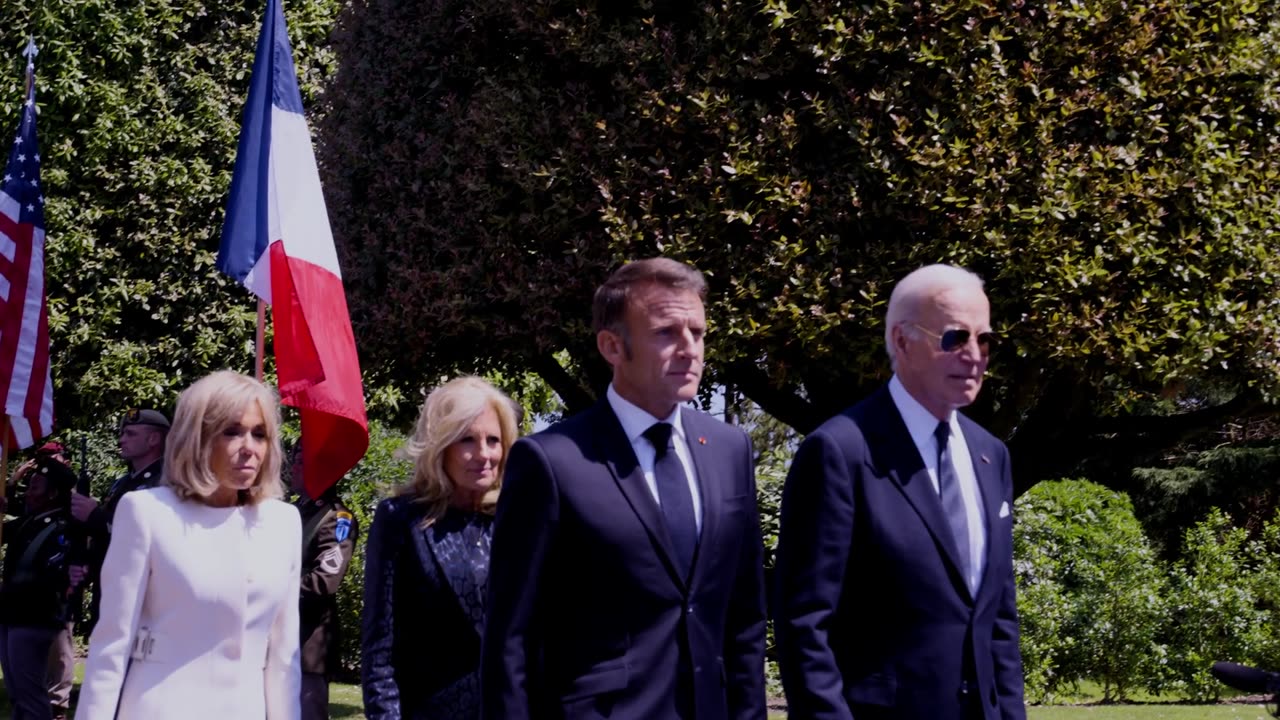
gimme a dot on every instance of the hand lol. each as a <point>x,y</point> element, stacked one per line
<point>81,506</point>
<point>76,574</point>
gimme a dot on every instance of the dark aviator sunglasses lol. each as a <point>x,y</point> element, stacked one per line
<point>952,340</point>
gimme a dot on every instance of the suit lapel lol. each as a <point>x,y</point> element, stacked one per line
<point>710,487</point>
<point>904,464</point>
<point>629,476</point>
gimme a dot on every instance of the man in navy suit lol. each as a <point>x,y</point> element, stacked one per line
<point>625,579</point>
<point>895,585</point>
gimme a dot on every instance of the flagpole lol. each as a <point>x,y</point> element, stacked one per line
<point>262,333</point>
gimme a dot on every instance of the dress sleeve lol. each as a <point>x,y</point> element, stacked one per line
<point>126,572</point>
<point>377,621</point>
<point>283,673</point>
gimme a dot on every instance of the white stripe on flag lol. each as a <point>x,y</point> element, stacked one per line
<point>297,212</point>
<point>4,288</point>
<point>22,431</point>
<point>46,402</point>
<point>16,402</point>
<point>8,247</point>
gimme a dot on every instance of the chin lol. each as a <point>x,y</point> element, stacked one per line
<point>687,392</point>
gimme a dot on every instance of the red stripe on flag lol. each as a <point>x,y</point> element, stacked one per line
<point>18,273</point>
<point>39,371</point>
<point>11,324</point>
<point>318,369</point>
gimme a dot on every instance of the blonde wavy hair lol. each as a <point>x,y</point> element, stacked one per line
<point>446,415</point>
<point>204,410</point>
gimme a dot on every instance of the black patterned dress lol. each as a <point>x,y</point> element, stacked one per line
<point>423,613</point>
<point>460,541</point>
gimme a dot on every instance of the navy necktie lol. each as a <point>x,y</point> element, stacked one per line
<point>952,499</point>
<point>674,495</point>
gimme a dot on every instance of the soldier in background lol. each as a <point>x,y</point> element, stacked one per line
<point>329,533</point>
<point>60,675</point>
<point>142,436</point>
<point>33,590</point>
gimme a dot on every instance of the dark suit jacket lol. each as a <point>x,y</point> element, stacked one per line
<point>324,564</point>
<point>872,616</point>
<point>421,622</point>
<point>588,617</point>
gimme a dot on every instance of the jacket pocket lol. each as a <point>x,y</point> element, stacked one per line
<point>876,689</point>
<point>603,678</point>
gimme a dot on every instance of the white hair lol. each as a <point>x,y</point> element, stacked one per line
<point>918,287</point>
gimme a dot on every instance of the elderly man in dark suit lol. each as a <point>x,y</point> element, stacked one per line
<point>894,575</point>
<point>626,578</point>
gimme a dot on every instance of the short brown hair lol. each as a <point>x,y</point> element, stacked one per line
<point>610,305</point>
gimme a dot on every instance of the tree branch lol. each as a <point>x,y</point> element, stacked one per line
<point>576,398</point>
<point>784,405</point>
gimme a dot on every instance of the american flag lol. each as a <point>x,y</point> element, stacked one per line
<point>26,384</point>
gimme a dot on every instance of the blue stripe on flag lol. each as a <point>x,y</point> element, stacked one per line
<point>245,233</point>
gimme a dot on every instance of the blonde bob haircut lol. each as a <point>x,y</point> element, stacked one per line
<point>211,405</point>
<point>446,415</point>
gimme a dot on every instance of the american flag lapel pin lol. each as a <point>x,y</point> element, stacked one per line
<point>986,459</point>
<point>702,440</point>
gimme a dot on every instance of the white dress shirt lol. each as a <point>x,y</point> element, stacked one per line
<point>634,422</point>
<point>921,425</point>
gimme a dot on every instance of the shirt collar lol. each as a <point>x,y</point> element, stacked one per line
<point>635,421</point>
<point>920,423</point>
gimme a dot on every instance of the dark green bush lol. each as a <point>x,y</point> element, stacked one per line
<point>1215,609</point>
<point>1091,590</point>
<point>377,475</point>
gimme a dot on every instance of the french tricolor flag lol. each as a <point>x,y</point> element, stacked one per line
<point>277,242</point>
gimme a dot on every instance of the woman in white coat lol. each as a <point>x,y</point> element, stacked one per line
<point>200,583</point>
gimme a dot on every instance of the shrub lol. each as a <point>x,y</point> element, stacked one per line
<point>368,483</point>
<point>1090,590</point>
<point>1215,610</point>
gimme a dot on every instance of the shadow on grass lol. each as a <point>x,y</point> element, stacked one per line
<point>343,710</point>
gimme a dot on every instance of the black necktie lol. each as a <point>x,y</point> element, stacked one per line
<point>674,495</point>
<point>952,500</point>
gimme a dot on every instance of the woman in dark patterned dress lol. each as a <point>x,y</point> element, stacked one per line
<point>427,559</point>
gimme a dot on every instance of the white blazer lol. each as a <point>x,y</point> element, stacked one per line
<point>199,613</point>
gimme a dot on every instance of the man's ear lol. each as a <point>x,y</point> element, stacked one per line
<point>610,346</point>
<point>898,340</point>
<point>156,439</point>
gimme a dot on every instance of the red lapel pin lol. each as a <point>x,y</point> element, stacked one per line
<point>702,440</point>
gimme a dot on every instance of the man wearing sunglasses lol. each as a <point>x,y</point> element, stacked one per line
<point>895,585</point>
<point>141,441</point>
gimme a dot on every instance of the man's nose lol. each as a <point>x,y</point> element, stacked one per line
<point>972,350</point>
<point>687,344</point>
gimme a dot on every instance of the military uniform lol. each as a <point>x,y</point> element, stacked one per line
<point>33,602</point>
<point>329,533</point>
<point>98,525</point>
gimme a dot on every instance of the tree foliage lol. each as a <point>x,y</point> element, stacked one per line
<point>1238,479</point>
<point>140,107</point>
<point>1109,167</point>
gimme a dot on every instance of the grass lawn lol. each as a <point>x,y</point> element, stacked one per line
<point>344,703</point>
<point>1149,712</point>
